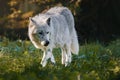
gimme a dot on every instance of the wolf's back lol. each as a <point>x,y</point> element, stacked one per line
<point>70,21</point>
<point>66,13</point>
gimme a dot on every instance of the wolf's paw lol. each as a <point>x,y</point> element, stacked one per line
<point>67,64</point>
<point>43,63</point>
<point>53,63</point>
<point>53,60</point>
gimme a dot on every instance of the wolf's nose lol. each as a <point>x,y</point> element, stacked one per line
<point>46,43</point>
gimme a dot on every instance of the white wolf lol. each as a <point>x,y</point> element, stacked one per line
<point>55,28</point>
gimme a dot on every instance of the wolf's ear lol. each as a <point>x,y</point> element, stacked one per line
<point>31,20</point>
<point>48,21</point>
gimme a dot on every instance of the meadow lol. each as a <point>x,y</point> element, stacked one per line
<point>20,60</point>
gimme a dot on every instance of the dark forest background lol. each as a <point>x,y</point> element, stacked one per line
<point>94,19</point>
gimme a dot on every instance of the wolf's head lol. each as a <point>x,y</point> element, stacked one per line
<point>40,31</point>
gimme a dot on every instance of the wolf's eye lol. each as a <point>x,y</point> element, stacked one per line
<point>40,33</point>
<point>47,32</point>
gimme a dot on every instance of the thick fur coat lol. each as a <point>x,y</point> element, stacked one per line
<point>55,28</point>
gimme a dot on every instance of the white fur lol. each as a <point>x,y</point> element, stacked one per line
<point>56,26</point>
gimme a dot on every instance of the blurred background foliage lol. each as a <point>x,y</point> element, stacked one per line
<point>94,19</point>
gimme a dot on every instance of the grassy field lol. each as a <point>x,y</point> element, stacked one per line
<point>20,60</point>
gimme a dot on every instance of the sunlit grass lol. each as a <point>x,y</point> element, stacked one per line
<point>20,60</point>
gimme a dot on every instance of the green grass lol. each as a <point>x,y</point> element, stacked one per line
<point>20,60</point>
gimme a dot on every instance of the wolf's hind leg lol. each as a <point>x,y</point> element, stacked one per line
<point>68,55</point>
<point>63,56</point>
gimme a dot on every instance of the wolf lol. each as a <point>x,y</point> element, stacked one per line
<point>54,29</point>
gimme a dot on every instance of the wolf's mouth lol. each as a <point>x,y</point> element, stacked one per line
<point>45,43</point>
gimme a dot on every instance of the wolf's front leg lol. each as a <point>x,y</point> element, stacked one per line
<point>52,59</point>
<point>47,54</point>
<point>45,58</point>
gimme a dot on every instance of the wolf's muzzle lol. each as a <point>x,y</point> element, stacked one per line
<point>45,43</point>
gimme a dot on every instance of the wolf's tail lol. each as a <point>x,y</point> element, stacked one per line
<point>74,43</point>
